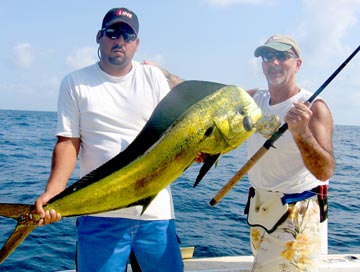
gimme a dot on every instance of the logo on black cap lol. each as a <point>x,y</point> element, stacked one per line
<point>121,15</point>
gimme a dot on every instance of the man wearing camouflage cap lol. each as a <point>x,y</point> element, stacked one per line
<point>288,199</point>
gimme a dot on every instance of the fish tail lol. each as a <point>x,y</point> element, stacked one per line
<point>25,225</point>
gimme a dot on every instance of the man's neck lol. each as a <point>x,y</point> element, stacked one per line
<point>114,70</point>
<point>279,94</point>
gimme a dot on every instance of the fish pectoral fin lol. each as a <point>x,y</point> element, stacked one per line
<point>144,203</point>
<point>223,126</point>
<point>208,163</point>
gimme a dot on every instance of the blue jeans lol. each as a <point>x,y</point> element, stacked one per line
<point>105,243</point>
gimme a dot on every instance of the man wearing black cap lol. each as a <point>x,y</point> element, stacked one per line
<point>288,199</point>
<point>101,109</point>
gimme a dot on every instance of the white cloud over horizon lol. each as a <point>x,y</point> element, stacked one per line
<point>202,39</point>
<point>83,56</point>
<point>23,55</point>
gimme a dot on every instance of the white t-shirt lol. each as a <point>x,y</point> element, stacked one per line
<point>281,169</point>
<point>107,113</point>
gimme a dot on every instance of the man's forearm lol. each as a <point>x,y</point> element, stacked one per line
<point>319,161</point>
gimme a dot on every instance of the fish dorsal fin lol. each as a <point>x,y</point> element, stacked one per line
<point>175,103</point>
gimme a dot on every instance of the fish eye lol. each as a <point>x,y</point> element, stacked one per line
<point>247,123</point>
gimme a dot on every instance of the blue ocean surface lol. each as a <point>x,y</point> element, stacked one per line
<point>26,143</point>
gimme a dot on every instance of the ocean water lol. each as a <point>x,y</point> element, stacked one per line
<point>26,143</point>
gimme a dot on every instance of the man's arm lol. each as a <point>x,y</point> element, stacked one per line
<point>251,92</point>
<point>63,164</point>
<point>172,79</point>
<point>312,129</point>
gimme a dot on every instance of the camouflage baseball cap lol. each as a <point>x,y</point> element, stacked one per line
<point>278,42</point>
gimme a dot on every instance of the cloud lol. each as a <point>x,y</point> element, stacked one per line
<point>325,35</point>
<point>23,55</point>
<point>50,86</point>
<point>326,24</point>
<point>83,56</point>
<point>158,59</point>
<point>225,3</point>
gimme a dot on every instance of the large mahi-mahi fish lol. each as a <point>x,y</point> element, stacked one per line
<point>196,116</point>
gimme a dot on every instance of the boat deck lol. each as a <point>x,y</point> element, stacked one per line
<point>328,263</point>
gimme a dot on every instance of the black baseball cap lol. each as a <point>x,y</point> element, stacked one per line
<point>121,15</point>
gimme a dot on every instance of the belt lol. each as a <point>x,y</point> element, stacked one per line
<point>293,198</point>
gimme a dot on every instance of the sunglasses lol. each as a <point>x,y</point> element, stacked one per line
<point>114,34</point>
<point>280,56</point>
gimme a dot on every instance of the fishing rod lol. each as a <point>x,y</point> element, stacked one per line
<point>270,142</point>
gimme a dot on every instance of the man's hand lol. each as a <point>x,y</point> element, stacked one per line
<point>48,216</point>
<point>201,157</point>
<point>298,117</point>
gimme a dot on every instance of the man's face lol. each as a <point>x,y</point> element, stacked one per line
<point>280,67</point>
<point>118,44</point>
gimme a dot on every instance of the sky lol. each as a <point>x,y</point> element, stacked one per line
<point>212,40</point>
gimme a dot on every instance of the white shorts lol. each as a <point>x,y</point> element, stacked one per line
<point>295,245</point>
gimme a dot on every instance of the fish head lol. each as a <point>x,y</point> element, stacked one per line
<point>235,119</point>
